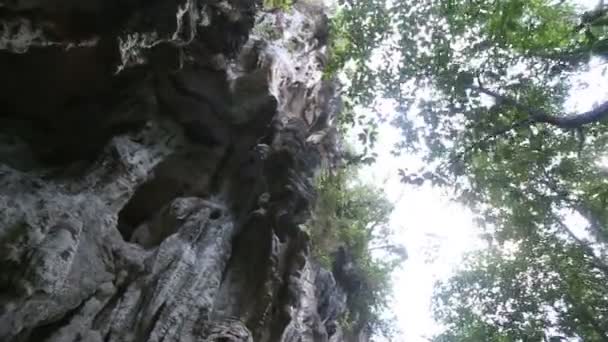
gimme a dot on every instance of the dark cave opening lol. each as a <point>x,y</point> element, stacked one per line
<point>215,214</point>
<point>147,200</point>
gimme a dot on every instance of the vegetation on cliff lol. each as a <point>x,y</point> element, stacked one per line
<point>350,235</point>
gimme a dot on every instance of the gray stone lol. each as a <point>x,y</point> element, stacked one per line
<point>153,183</point>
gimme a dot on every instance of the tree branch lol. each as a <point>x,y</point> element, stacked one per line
<point>587,250</point>
<point>571,57</point>
<point>536,115</point>
<point>576,205</point>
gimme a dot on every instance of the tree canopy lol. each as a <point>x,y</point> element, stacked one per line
<point>481,88</point>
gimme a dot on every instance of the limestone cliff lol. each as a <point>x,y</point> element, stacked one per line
<point>156,165</point>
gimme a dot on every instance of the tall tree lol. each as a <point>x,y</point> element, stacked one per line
<point>481,87</point>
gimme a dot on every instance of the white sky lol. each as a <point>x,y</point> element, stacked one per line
<point>435,231</point>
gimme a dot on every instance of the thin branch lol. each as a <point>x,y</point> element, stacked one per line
<point>587,250</point>
<point>571,57</point>
<point>564,195</point>
<point>486,139</point>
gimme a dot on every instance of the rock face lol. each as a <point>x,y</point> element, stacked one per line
<point>156,165</point>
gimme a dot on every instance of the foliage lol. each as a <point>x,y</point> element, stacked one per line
<point>355,217</point>
<point>544,286</point>
<point>356,30</point>
<point>481,88</point>
<point>277,4</point>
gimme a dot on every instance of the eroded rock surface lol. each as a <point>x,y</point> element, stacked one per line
<point>156,165</point>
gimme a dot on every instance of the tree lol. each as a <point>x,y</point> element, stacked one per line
<point>349,226</point>
<point>534,289</point>
<point>494,130</point>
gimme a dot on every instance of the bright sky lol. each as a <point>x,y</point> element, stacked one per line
<point>435,231</point>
